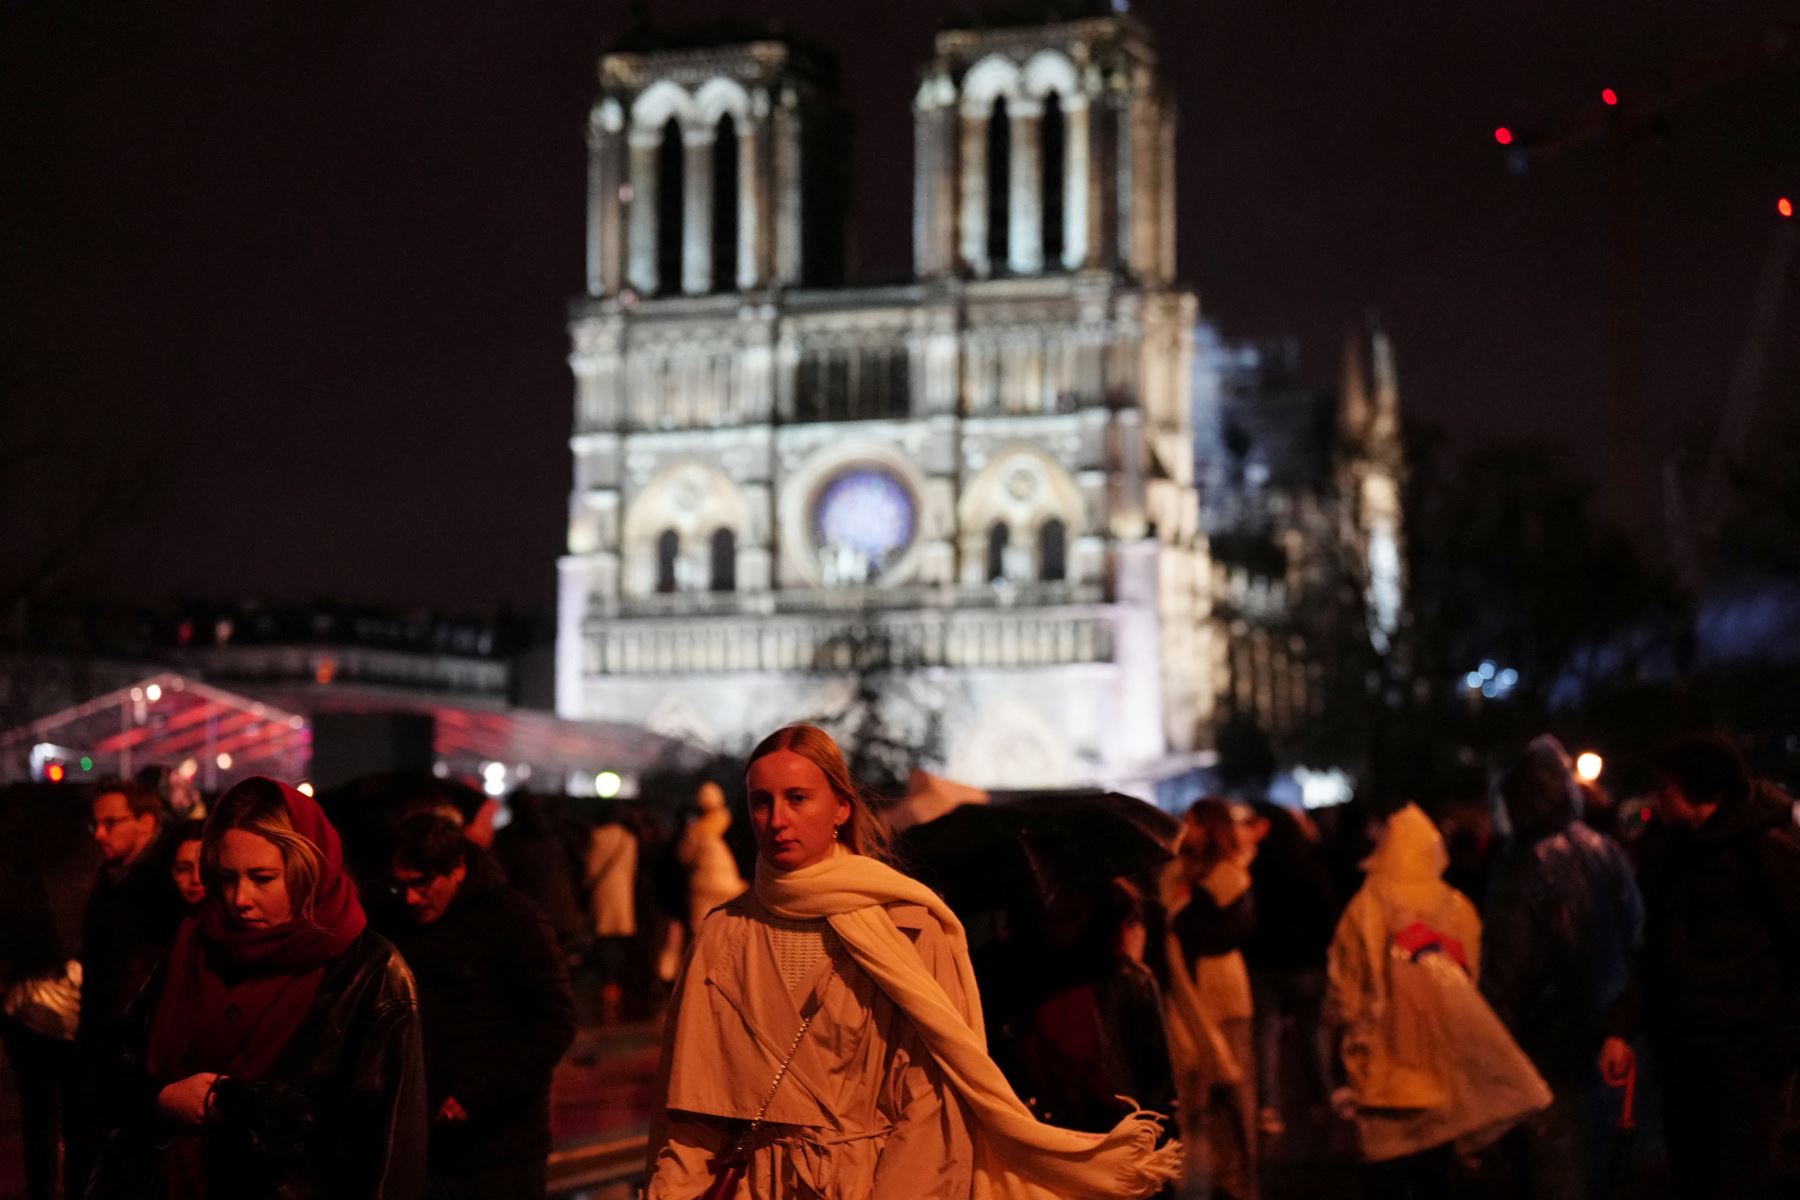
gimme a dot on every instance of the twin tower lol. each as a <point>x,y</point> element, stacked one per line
<point>1036,149</point>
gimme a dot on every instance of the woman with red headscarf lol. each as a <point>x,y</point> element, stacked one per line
<point>276,1051</point>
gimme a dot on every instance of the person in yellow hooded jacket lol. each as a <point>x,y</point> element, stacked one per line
<point>1431,1069</point>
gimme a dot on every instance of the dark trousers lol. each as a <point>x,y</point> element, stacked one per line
<point>1291,1001</point>
<point>1548,1155</point>
<point>42,1068</point>
<point>1426,1175</point>
<point>1722,1122</point>
<point>513,1181</point>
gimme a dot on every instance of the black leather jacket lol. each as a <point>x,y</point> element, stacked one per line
<point>341,1115</point>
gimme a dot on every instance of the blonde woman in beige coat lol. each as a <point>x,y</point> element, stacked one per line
<point>825,1038</point>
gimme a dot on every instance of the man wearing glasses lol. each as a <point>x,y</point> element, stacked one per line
<point>131,918</point>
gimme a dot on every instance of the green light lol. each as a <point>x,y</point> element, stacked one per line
<point>87,764</point>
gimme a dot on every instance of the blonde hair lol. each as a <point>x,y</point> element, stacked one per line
<point>257,806</point>
<point>865,832</point>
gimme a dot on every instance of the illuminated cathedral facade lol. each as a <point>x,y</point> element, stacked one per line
<point>993,464</point>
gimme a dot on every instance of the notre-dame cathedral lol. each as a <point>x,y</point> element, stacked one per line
<point>1011,466</point>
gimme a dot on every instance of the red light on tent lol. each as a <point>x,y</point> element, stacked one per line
<point>54,773</point>
<point>1785,207</point>
<point>1503,135</point>
<point>1610,97</point>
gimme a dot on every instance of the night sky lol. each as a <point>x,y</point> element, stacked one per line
<point>284,284</point>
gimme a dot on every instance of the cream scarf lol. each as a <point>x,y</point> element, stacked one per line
<point>1017,1157</point>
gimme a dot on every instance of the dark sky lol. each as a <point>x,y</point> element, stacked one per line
<point>286,283</point>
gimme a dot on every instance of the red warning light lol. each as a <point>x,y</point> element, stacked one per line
<point>1610,97</point>
<point>1785,207</point>
<point>54,773</point>
<point>1503,135</point>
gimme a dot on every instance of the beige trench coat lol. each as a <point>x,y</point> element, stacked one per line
<point>864,1112</point>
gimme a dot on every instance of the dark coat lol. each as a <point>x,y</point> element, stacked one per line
<point>1562,923</point>
<point>340,1117</point>
<point>1720,974</point>
<point>537,864</point>
<point>1205,929</point>
<point>1295,904</point>
<point>48,863</point>
<point>131,918</point>
<point>498,1014</point>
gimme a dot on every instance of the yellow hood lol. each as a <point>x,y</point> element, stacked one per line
<point>1409,851</point>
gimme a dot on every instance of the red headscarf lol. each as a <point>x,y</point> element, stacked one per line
<point>235,997</point>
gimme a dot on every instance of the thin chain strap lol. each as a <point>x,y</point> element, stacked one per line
<point>781,1074</point>
<point>737,1147</point>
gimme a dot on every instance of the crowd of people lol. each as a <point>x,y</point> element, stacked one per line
<point>1487,1036</point>
<point>238,1016</point>
<point>237,1003</point>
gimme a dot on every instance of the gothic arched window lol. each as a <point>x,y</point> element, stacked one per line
<point>999,187</point>
<point>1053,137</point>
<point>671,198</point>
<point>1052,551</point>
<point>668,550</point>
<point>725,205</point>
<point>724,560</point>
<point>996,552</point>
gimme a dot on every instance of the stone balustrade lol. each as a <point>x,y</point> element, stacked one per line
<point>807,643</point>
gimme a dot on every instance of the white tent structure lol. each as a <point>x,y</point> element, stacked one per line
<point>218,737</point>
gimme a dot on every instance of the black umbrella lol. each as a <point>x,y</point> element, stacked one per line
<point>1023,850</point>
<point>1106,829</point>
<point>366,810</point>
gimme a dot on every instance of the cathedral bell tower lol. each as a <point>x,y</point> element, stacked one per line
<point>700,171</point>
<point>1044,148</point>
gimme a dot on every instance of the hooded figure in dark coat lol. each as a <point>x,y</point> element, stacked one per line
<point>1563,919</point>
<point>1718,985</point>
